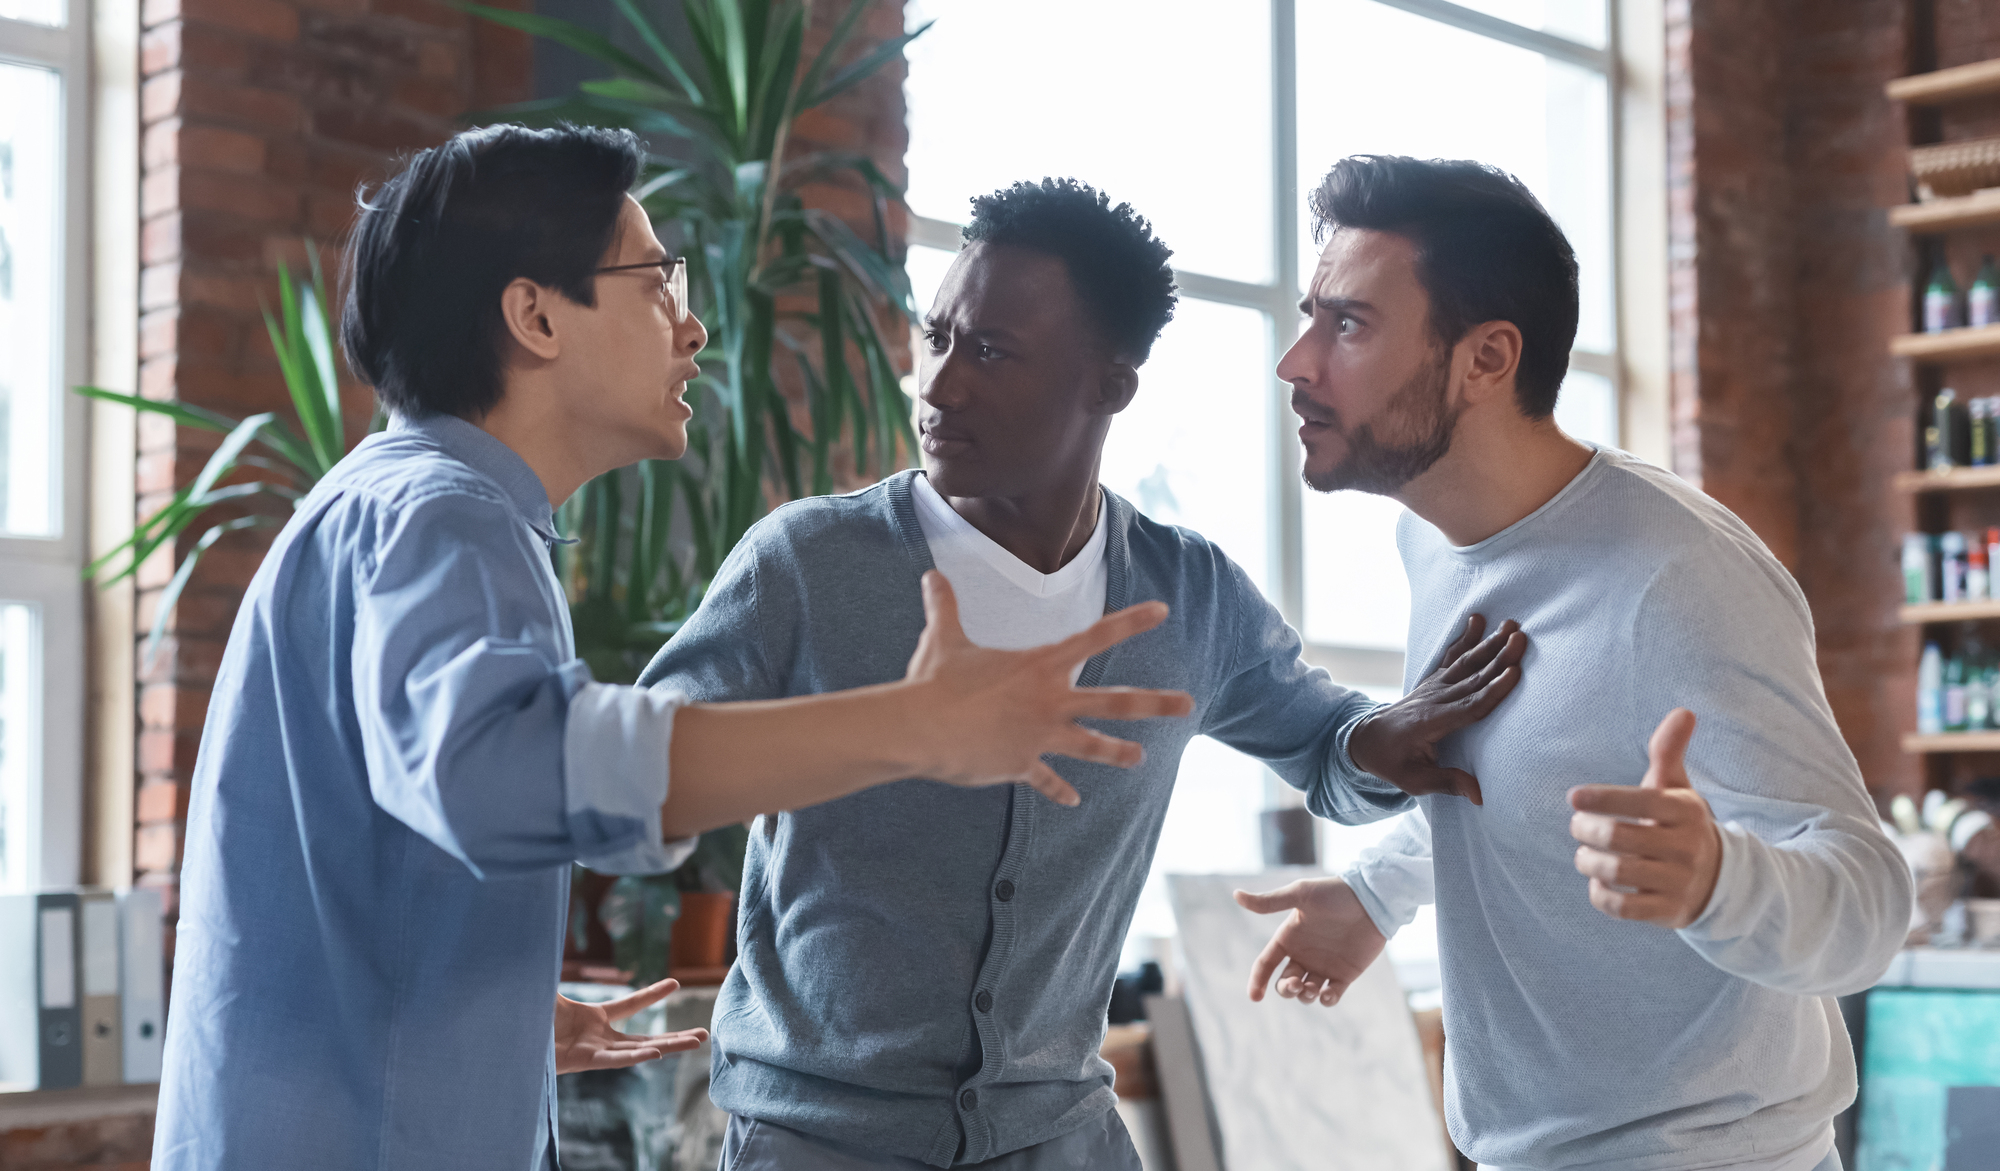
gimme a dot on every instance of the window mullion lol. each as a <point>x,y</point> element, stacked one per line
<point>1287,536</point>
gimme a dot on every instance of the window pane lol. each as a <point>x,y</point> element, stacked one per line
<point>1576,20</point>
<point>30,353</point>
<point>1193,448</point>
<point>1587,408</point>
<point>926,268</point>
<point>20,735</point>
<point>1356,593</point>
<point>33,11</point>
<point>1377,80</point>
<point>1162,105</point>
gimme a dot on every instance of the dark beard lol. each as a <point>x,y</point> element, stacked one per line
<point>1374,467</point>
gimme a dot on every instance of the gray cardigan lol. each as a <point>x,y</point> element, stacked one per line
<point>924,969</point>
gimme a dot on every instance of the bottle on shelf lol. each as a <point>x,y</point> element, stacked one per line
<point>1978,701</point>
<point>1919,569</point>
<point>1978,584</point>
<point>1976,421</point>
<point>1982,301</point>
<point>1992,554</point>
<point>1930,691</point>
<point>1940,300</point>
<point>1952,555</point>
<point>1954,693</point>
<point>1943,437</point>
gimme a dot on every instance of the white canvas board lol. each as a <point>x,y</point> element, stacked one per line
<point>1299,1088</point>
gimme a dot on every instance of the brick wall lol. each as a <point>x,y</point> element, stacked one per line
<point>260,118</point>
<point>1787,284</point>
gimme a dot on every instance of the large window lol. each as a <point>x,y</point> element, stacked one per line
<point>1214,123</point>
<point>43,128</point>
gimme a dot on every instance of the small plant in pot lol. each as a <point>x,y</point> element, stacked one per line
<point>682,923</point>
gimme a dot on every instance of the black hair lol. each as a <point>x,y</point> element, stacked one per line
<point>436,245</point>
<point>1486,251</point>
<point>1119,268</point>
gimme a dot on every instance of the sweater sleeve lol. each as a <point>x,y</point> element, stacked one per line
<point>723,652</point>
<point>1812,897</point>
<point>1392,878</point>
<point>1293,717</point>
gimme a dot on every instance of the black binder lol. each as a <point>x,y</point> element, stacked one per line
<point>57,955</point>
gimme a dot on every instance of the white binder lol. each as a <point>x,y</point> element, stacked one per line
<point>20,1008</point>
<point>142,982</point>
<point>98,918</point>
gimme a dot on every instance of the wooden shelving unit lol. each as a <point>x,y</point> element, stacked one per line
<point>1929,613</point>
<point>1951,742</point>
<point>1979,210</point>
<point>1947,85</point>
<point>1949,345</point>
<point>1955,480</point>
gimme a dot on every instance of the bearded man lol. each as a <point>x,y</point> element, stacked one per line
<point>1642,928</point>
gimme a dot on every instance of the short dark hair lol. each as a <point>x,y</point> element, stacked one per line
<point>1119,267</point>
<point>437,244</point>
<point>1486,251</point>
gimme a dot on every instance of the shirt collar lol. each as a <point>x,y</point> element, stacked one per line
<point>496,461</point>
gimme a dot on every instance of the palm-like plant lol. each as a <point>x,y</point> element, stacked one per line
<point>286,460</point>
<point>653,536</point>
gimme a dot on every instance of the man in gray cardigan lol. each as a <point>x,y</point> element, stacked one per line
<point>923,970</point>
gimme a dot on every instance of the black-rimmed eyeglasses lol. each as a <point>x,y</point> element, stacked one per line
<point>673,282</point>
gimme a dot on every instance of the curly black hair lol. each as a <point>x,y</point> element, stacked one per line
<point>1119,267</point>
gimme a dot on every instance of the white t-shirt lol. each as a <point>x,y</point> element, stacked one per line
<point>1003,602</point>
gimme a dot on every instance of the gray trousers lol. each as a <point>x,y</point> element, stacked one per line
<point>751,1145</point>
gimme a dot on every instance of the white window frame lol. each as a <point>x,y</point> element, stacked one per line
<point>46,572</point>
<point>1639,402</point>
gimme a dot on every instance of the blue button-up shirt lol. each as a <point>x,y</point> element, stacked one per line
<point>402,758</point>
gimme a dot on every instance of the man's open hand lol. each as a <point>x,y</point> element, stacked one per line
<point>586,1040</point>
<point>1651,853</point>
<point>1399,742</point>
<point>994,714</point>
<point>1325,943</point>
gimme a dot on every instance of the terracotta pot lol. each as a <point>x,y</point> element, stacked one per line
<point>701,934</point>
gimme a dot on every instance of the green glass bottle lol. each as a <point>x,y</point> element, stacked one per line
<point>1940,300</point>
<point>1982,301</point>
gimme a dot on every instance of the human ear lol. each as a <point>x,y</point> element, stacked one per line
<point>1494,348</point>
<point>1115,388</point>
<point>524,307</point>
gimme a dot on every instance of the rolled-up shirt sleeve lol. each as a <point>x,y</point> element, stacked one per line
<point>466,698</point>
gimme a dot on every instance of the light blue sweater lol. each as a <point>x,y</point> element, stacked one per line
<point>924,969</point>
<point>1575,1039</point>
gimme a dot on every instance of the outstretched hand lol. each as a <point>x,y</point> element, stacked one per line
<point>1399,742</point>
<point>994,714</point>
<point>586,1040</point>
<point>1325,943</point>
<point>1652,853</point>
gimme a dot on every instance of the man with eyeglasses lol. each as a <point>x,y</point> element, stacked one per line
<point>403,755</point>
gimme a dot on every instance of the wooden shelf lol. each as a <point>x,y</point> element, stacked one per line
<point>1949,345</point>
<point>1947,85</point>
<point>1952,742</point>
<point>1978,210</point>
<point>1955,480</point>
<point>1931,612</point>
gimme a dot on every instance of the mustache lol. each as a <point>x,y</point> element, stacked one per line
<point>1312,412</point>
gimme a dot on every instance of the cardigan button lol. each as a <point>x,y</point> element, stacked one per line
<point>1004,890</point>
<point>984,1000</point>
<point>968,1099</point>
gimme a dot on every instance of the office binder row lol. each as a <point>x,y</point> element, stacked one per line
<point>81,988</point>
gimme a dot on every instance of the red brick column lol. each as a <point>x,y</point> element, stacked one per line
<point>260,119</point>
<point>1787,284</point>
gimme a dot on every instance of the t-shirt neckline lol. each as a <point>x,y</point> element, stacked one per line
<point>1506,536</point>
<point>1015,570</point>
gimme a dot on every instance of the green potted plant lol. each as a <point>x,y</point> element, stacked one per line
<point>783,289</point>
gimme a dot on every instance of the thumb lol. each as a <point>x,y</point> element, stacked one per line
<point>941,608</point>
<point>1666,752</point>
<point>1454,780</point>
<point>1285,898</point>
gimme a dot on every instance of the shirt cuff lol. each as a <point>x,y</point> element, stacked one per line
<point>615,765</point>
<point>1725,902</point>
<point>1385,920</point>
<point>1356,778</point>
